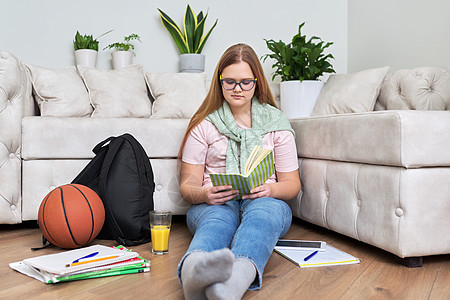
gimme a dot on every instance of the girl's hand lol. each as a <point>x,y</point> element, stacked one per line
<point>259,192</point>
<point>217,195</point>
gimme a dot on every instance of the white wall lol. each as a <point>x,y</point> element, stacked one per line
<point>400,34</point>
<point>41,32</point>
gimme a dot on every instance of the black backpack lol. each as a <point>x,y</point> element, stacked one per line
<point>122,176</point>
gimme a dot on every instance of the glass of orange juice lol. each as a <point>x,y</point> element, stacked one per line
<point>160,222</point>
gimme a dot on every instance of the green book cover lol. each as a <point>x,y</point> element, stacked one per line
<point>131,264</point>
<point>98,274</point>
<point>259,168</point>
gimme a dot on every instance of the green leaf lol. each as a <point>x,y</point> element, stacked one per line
<point>175,32</point>
<point>205,38</point>
<point>200,16</point>
<point>169,20</point>
<point>199,33</point>
<point>104,34</point>
<point>190,23</point>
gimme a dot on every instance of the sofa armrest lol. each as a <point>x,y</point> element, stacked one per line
<point>15,102</point>
<point>410,139</point>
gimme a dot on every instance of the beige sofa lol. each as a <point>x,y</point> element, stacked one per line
<point>382,177</point>
<point>39,153</point>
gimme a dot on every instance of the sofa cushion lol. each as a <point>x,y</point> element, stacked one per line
<point>117,93</point>
<point>74,138</point>
<point>350,93</point>
<point>410,139</point>
<point>42,176</point>
<point>59,92</point>
<point>426,88</point>
<point>177,95</point>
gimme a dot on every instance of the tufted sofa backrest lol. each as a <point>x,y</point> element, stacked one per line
<point>15,94</point>
<point>426,88</point>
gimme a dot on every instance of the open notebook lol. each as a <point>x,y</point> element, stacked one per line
<point>62,263</point>
<point>330,257</point>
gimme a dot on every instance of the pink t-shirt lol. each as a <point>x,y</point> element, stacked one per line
<point>206,145</point>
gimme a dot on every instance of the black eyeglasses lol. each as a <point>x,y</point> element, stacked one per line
<point>245,85</point>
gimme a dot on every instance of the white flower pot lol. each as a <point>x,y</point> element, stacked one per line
<point>121,59</point>
<point>86,57</point>
<point>297,99</point>
<point>192,63</point>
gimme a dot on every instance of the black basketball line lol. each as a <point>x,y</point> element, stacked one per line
<point>43,220</point>
<point>90,209</point>
<point>65,216</point>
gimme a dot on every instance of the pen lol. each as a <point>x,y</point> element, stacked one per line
<point>92,260</point>
<point>84,257</point>
<point>309,256</point>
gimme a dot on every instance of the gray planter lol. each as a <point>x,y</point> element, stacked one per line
<point>192,63</point>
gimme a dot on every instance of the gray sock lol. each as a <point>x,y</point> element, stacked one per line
<point>201,269</point>
<point>244,273</point>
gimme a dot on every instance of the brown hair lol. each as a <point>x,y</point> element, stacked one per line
<point>214,99</point>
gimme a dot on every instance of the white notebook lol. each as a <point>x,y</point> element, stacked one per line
<point>331,256</point>
<point>59,263</point>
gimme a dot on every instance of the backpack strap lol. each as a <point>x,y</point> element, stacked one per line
<point>127,242</point>
<point>114,146</point>
<point>89,175</point>
<point>145,173</point>
<point>45,244</point>
<point>143,157</point>
<point>101,144</point>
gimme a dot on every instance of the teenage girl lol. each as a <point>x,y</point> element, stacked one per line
<point>233,239</point>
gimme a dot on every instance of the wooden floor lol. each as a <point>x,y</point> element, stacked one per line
<point>376,277</point>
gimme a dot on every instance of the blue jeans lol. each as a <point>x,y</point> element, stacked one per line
<point>250,228</point>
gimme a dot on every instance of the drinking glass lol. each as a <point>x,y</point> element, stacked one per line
<point>160,222</point>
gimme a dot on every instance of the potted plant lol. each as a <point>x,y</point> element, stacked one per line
<point>189,41</point>
<point>86,49</point>
<point>299,64</point>
<point>123,56</point>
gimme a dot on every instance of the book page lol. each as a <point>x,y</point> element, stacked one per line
<point>257,155</point>
<point>251,159</point>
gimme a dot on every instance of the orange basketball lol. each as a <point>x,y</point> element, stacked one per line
<point>71,216</point>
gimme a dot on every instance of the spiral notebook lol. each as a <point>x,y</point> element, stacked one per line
<point>63,263</point>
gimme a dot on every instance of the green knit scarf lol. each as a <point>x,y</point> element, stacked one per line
<point>265,118</point>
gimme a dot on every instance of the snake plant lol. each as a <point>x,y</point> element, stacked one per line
<point>191,39</point>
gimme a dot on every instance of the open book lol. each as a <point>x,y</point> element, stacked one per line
<point>258,168</point>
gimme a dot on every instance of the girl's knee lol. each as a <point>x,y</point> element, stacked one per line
<point>273,206</point>
<point>270,210</point>
<point>203,213</point>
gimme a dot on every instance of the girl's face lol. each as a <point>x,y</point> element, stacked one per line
<point>239,95</point>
